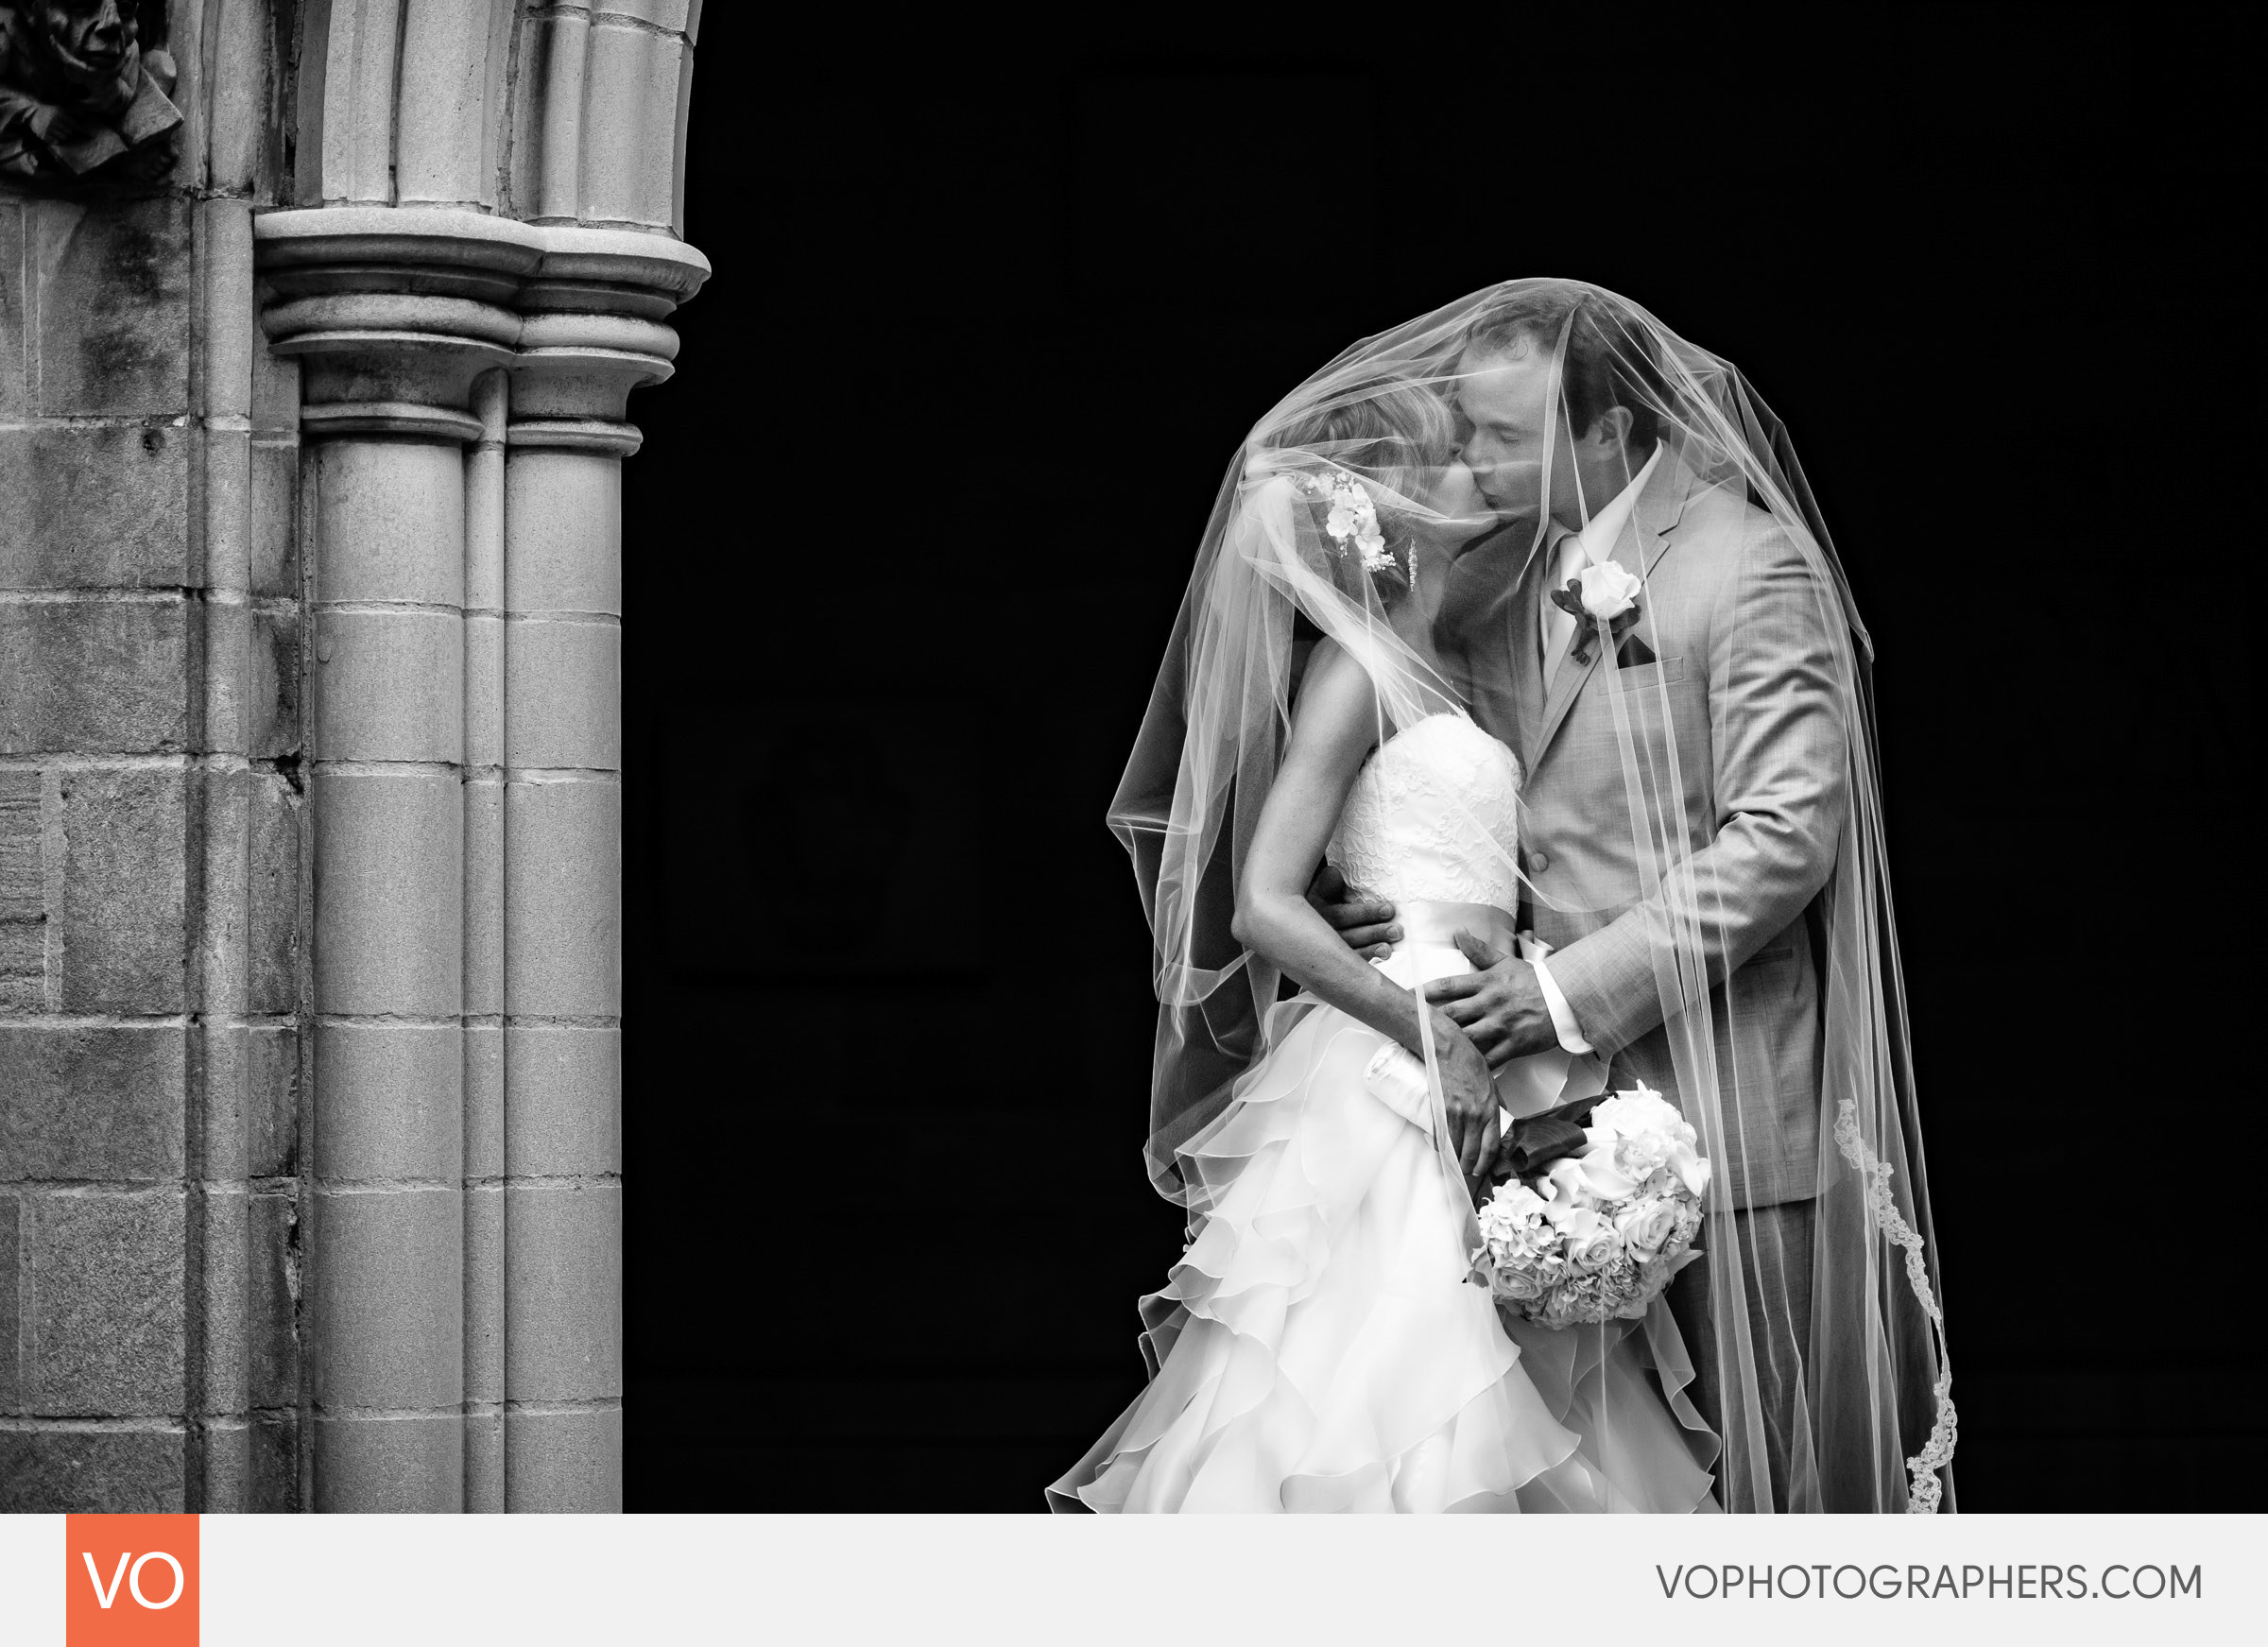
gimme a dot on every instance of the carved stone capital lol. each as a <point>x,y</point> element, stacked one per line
<point>403,306</point>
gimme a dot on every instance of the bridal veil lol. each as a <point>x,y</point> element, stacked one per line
<point>1309,536</point>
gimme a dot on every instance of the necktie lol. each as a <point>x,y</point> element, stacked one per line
<point>1559,626</point>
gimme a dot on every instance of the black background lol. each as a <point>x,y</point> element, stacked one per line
<point>894,613</point>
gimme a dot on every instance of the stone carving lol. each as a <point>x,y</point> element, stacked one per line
<point>79,94</point>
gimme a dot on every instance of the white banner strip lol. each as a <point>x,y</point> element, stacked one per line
<point>1917,1582</point>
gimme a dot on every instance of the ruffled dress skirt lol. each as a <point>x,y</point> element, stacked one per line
<point>1317,1347</point>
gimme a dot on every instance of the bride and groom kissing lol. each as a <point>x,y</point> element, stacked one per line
<point>1514,742</point>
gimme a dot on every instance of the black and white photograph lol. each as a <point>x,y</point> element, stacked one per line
<point>1362,763</point>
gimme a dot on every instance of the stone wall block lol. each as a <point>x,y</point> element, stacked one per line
<point>229,335</point>
<point>112,298</point>
<point>94,506</point>
<point>547,145</point>
<point>275,518</point>
<point>562,1338</point>
<point>271,1298</point>
<point>275,386</point>
<point>227,1319</point>
<point>272,894</point>
<point>227,509</point>
<point>371,1465</point>
<point>483,1294</point>
<point>483,705</point>
<point>23,894</point>
<point>251,1464</point>
<point>484,1462</point>
<point>563,1100</point>
<point>388,893</point>
<point>123,939</point>
<point>233,694</point>
<point>15,315</point>
<point>566,1462</point>
<point>271,701</point>
<point>95,675</point>
<point>240,130</point>
<point>23,863</point>
<point>671,16</point>
<point>563,694</point>
<point>390,518</point>
<point>387,1098</point>
<point>104,1305</point>
<point>484,897</point>
<point>442,103</point>
<point>388,1297</point>
<point>91,1102</point>
<point>630,85</point>
<point>47,1471</point>
<point>225,1050</point>
<point>271,1127</point>
<point>274,1487</point>
<point>563,898</point>
<point>11,1318</point>
<point>389,686</point>
<point>484,1101</point>
<point>564,550</point>
<point>22,964</point>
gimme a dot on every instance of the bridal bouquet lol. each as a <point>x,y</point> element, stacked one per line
<point>1600,1212</point>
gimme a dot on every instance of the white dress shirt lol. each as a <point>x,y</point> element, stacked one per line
<point>1576,550</point>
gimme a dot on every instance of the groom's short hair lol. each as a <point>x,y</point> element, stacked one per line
<point>1610,357</point>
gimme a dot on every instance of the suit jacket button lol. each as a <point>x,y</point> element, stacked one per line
<point>1539,863</point>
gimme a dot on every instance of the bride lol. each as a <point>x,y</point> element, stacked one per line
<point>1318,1347</point>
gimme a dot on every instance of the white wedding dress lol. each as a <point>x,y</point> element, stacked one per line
<point>1317,1347</point>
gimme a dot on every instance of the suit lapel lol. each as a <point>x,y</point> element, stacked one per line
<point>1645,539</point>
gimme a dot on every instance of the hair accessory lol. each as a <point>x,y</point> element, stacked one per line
<point>1354,516</point>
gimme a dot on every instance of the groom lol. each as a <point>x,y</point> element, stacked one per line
<point>1727,680</point>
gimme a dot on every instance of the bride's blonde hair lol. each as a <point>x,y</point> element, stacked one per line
<point>1392,435</point>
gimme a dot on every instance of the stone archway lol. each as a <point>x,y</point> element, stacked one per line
<point>342,988</point>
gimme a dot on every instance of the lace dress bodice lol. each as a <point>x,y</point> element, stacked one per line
<point>1431,816</point>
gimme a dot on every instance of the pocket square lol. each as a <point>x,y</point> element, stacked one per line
<point>1633,653</point>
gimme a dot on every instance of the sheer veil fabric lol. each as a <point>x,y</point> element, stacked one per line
<point>1702,792</point>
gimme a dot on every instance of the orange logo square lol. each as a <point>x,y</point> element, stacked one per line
<point>129,1581</point>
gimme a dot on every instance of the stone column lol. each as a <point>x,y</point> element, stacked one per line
<point>484,949</point>
<point>563,907</point>
<point>466,1228</point>
<point>386,490</point>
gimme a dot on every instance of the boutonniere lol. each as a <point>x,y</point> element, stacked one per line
<point>1602,593</point>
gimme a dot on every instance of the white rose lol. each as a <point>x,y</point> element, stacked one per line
<point>1517,1284</point>
<point>1591,1242</point>
<point>1608,591</point>
<point>1646,1228</point>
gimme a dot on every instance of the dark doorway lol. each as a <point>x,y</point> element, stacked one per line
<point>889,642</point>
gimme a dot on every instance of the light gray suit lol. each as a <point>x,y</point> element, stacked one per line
<point>1743,638</point>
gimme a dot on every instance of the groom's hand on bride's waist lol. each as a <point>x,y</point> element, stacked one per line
<point>1500,1007</point>
<point>1366,923</point>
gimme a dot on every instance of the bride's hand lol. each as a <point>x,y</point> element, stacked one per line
<point>1468,1092</point>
